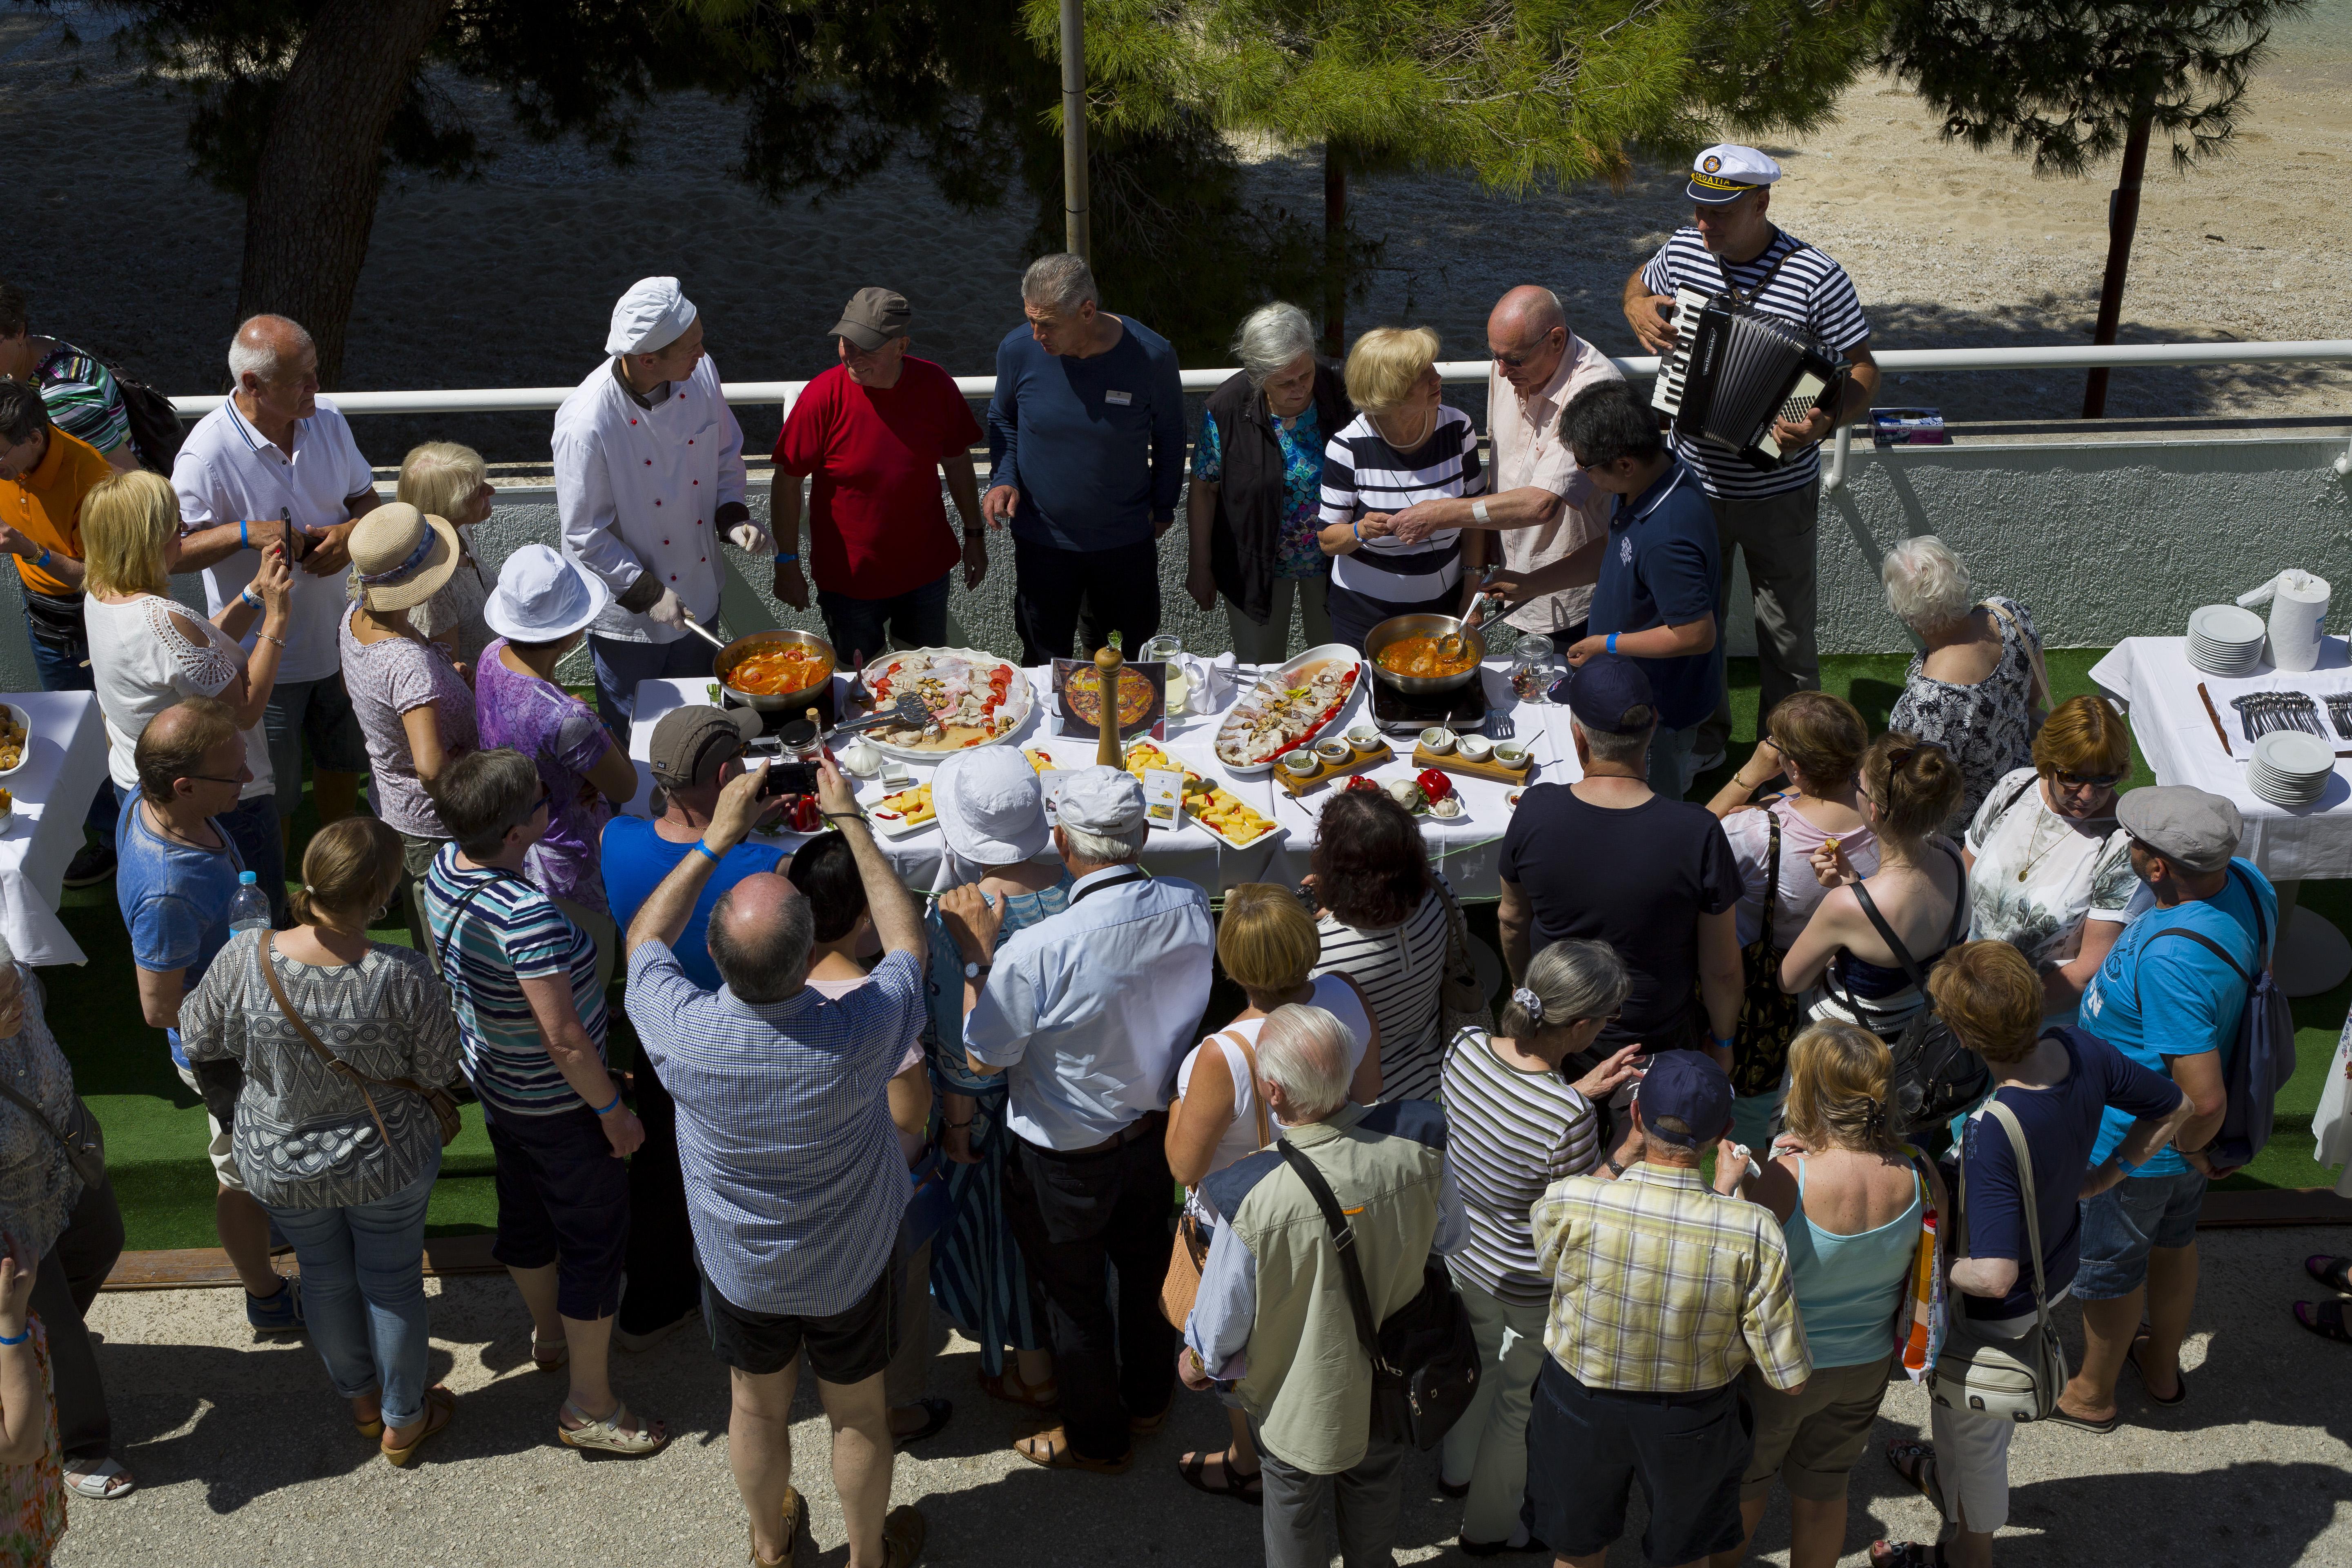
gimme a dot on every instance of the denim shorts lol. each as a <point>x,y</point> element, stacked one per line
<point>2123,1222</point>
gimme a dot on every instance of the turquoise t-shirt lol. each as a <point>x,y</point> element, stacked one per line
<point>1302,489</point>
<point>2174,997</point>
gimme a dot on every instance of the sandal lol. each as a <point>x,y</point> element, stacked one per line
<point>1915,1462</point>
<point>550,1355</point>
<point>796,1521</point>
<point>2325,1318</point>
<point>2060,1417</point>
<point>104,1480</point>
<point>903,1532</point>
<point>1886,1553</point>
<point>1249,1488</point>
<point>607,1434</point>
<point>1052,1449</point>
<point>1007,1385</point>
<point>2179,1378</point>
<point>438,1402</point>
<point>2336,1273</point>
<point>1145,1425</point>
<point>936,1413</point>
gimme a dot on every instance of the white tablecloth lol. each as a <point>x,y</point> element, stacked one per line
<point>1464,848</point>
<point>63,770</point>
<point>2175,733</point>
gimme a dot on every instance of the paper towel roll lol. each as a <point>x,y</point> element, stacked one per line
<point>2298,612</point>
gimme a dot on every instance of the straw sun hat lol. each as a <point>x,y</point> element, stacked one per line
<point>402,557</point>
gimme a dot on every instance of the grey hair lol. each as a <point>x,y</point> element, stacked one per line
<point>1303,1051</point>
<point>252,353</point>
<point>1570,980</point>
<point>763,965</point>
<point>1926,584</point>
<point>1625,751</point>
<point>1272,336</point>
<point>1061,282</point>
<point>1105,848</point>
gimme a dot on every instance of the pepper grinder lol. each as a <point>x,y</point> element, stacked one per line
<point>1107,751</point>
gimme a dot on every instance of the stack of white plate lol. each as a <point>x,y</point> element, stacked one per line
<point>2289,768</point>
<point>2226,640</point>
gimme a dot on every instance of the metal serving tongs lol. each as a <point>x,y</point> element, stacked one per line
<point>907,713</point>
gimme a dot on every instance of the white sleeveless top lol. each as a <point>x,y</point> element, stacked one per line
<point>140,665</point>
<point>1335,996</point>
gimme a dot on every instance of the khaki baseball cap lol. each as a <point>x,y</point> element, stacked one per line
<point>874,317</point>
<point>691,744</point>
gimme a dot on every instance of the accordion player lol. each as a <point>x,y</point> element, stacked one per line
<point>1734,369</point>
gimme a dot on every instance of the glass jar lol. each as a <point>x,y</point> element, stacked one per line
<point>1535,666</point>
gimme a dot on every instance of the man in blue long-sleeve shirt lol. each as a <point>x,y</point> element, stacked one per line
<point>1087,433</point>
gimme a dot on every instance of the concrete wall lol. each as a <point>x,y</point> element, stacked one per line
<point>2100,539</point>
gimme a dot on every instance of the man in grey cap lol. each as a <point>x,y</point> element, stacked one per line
<point>1087,1013</point>
<point>876,432</point>
<point>2169,997</point>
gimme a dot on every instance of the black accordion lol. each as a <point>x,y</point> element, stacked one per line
<point>1734,369</point>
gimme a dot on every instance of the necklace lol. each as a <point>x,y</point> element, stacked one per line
<point>1428,428</point>
<point>2034,853</point>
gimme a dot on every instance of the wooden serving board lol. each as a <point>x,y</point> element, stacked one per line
<point>1327,771</point>
<point>1453,763</point>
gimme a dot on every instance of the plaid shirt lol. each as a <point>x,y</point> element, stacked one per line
<point>1660,1286</point>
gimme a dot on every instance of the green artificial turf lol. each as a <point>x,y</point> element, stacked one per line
<point>155,1127</point>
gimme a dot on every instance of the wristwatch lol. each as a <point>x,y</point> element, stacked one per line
<point>975,533</point>
<point>975,970</point>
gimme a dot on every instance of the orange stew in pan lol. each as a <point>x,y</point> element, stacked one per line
<point>791,667</point>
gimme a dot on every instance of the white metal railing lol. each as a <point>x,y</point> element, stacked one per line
<point>2119,356</point>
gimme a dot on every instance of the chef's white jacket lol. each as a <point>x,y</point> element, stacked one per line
<point>636,489</point>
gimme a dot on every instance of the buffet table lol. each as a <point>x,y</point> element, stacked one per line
<point>63,770</point>
<point>2153,678</point>
<point>1464,848</point>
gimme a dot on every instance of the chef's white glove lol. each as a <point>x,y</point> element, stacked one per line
<point>668,610</point>
<point>751,539</point>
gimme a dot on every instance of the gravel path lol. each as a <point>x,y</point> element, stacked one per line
<point>246,1460</point>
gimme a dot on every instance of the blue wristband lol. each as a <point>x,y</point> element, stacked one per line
<point>19,1340</point>
<point>782,557</point>
<point>1613,642</point>
<point>700,848</point>
<point>609,1109</point>
<point>1357,528</point>
<point>244,540</point>
<point>42,560</point>
<point>246,594</point>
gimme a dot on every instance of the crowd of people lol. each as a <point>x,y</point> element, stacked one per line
<point>1690,1193</point>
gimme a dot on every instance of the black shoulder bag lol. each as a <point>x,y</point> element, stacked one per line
<point>1768,1016</point>
<point>1425,1359</point>
<point>1936,1077</point>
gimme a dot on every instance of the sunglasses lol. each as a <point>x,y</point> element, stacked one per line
<point>210,778</point>
<point>2097,780</point>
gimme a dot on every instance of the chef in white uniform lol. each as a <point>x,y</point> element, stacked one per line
<point>648,477</point>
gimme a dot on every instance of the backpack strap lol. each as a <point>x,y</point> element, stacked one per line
<point>1771,875</point>
<point>1343,1237</point>
<point>441,949</point>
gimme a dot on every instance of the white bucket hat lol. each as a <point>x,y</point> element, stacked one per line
<point>542,597</point>
<point>991,809</point>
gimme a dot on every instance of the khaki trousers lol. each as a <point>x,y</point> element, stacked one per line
<point>1777,535</point>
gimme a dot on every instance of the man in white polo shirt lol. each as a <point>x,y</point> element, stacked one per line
<point>648,478</point>
<point>277,461</point>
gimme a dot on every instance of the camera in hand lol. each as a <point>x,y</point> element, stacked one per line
<point>789,778</point>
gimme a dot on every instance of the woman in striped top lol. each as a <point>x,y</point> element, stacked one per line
<point>1381,912</point>
<point>1513,1125</point>
<point>1403,446</point>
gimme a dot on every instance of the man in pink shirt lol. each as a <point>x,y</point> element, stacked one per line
<point>1540,504</point>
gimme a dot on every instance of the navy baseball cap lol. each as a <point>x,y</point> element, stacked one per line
<point>1690,1087</point>
<point>1610,695</point>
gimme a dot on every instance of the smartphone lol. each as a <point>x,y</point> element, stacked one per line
<point>789,778</point>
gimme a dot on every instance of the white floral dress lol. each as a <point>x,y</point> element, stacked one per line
<point>2039,875</point>
<point>1989,727</point>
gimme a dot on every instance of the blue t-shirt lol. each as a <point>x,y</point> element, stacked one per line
<point>1662,568</point>
<point>636,859</point>
<point>2061,1124</point>
<point>174,901</point>
<point>1095,445</point>
<point>2153,999</point>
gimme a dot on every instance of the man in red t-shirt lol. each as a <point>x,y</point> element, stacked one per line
<point>875,432</point>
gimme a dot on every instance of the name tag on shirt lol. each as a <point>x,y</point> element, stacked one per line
<point>1121,398</point>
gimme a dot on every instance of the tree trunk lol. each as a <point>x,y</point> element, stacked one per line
<point>314,192</point>
<point>1335,252</point>
<point>2123,218</point>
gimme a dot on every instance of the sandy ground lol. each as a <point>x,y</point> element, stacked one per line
<point>246,1457</point>
<point>507,281</point>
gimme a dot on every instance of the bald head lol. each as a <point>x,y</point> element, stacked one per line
<point>193,739</point>
<point>276,367</point>
<point>1527,334</point>
<point>761,932</point>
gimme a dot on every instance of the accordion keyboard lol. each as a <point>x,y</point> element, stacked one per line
<point>1674,370</point>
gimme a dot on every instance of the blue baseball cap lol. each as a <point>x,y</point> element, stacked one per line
<point>1610,695</point>
<point>1689,1086</point>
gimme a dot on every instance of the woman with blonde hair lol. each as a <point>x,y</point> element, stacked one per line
<point>1850,1197</point>
<point>1403,447</point>
<point>1267,944</point>
<point>147,652</point>
<point>342,1154</point>
<point>2050,868</point>
<point>445,479</point>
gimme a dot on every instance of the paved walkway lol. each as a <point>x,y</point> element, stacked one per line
<point>247,1458</point>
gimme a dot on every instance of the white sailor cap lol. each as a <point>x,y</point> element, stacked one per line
<point>650,317</point>
<point>1725,173</point>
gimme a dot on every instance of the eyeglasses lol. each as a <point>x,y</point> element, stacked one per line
<point>2097,780</point>
<point>1900,755</point>
<point>546,794</point>
<point>209,778</point>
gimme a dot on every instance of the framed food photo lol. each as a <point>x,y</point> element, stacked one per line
<point>1142,698</point>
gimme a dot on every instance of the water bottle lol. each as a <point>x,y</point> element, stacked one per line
<point>249,909</point>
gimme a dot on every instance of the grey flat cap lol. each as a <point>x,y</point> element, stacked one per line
<point>2196,831</point>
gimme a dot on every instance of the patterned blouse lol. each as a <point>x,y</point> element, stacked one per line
<point>1988,728</point>
<point>305,1138</point>
<point>1302,488</point>
<point>38,1185</point>
<point>33,1496</point>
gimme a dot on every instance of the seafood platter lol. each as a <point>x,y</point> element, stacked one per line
<point>974,699</point>
<point>1288,708</point>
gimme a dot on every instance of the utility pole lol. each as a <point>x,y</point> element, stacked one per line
<point>1074,131</point>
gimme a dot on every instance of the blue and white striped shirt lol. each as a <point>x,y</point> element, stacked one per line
<point>507,934</point>
<point>795,1181</point>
